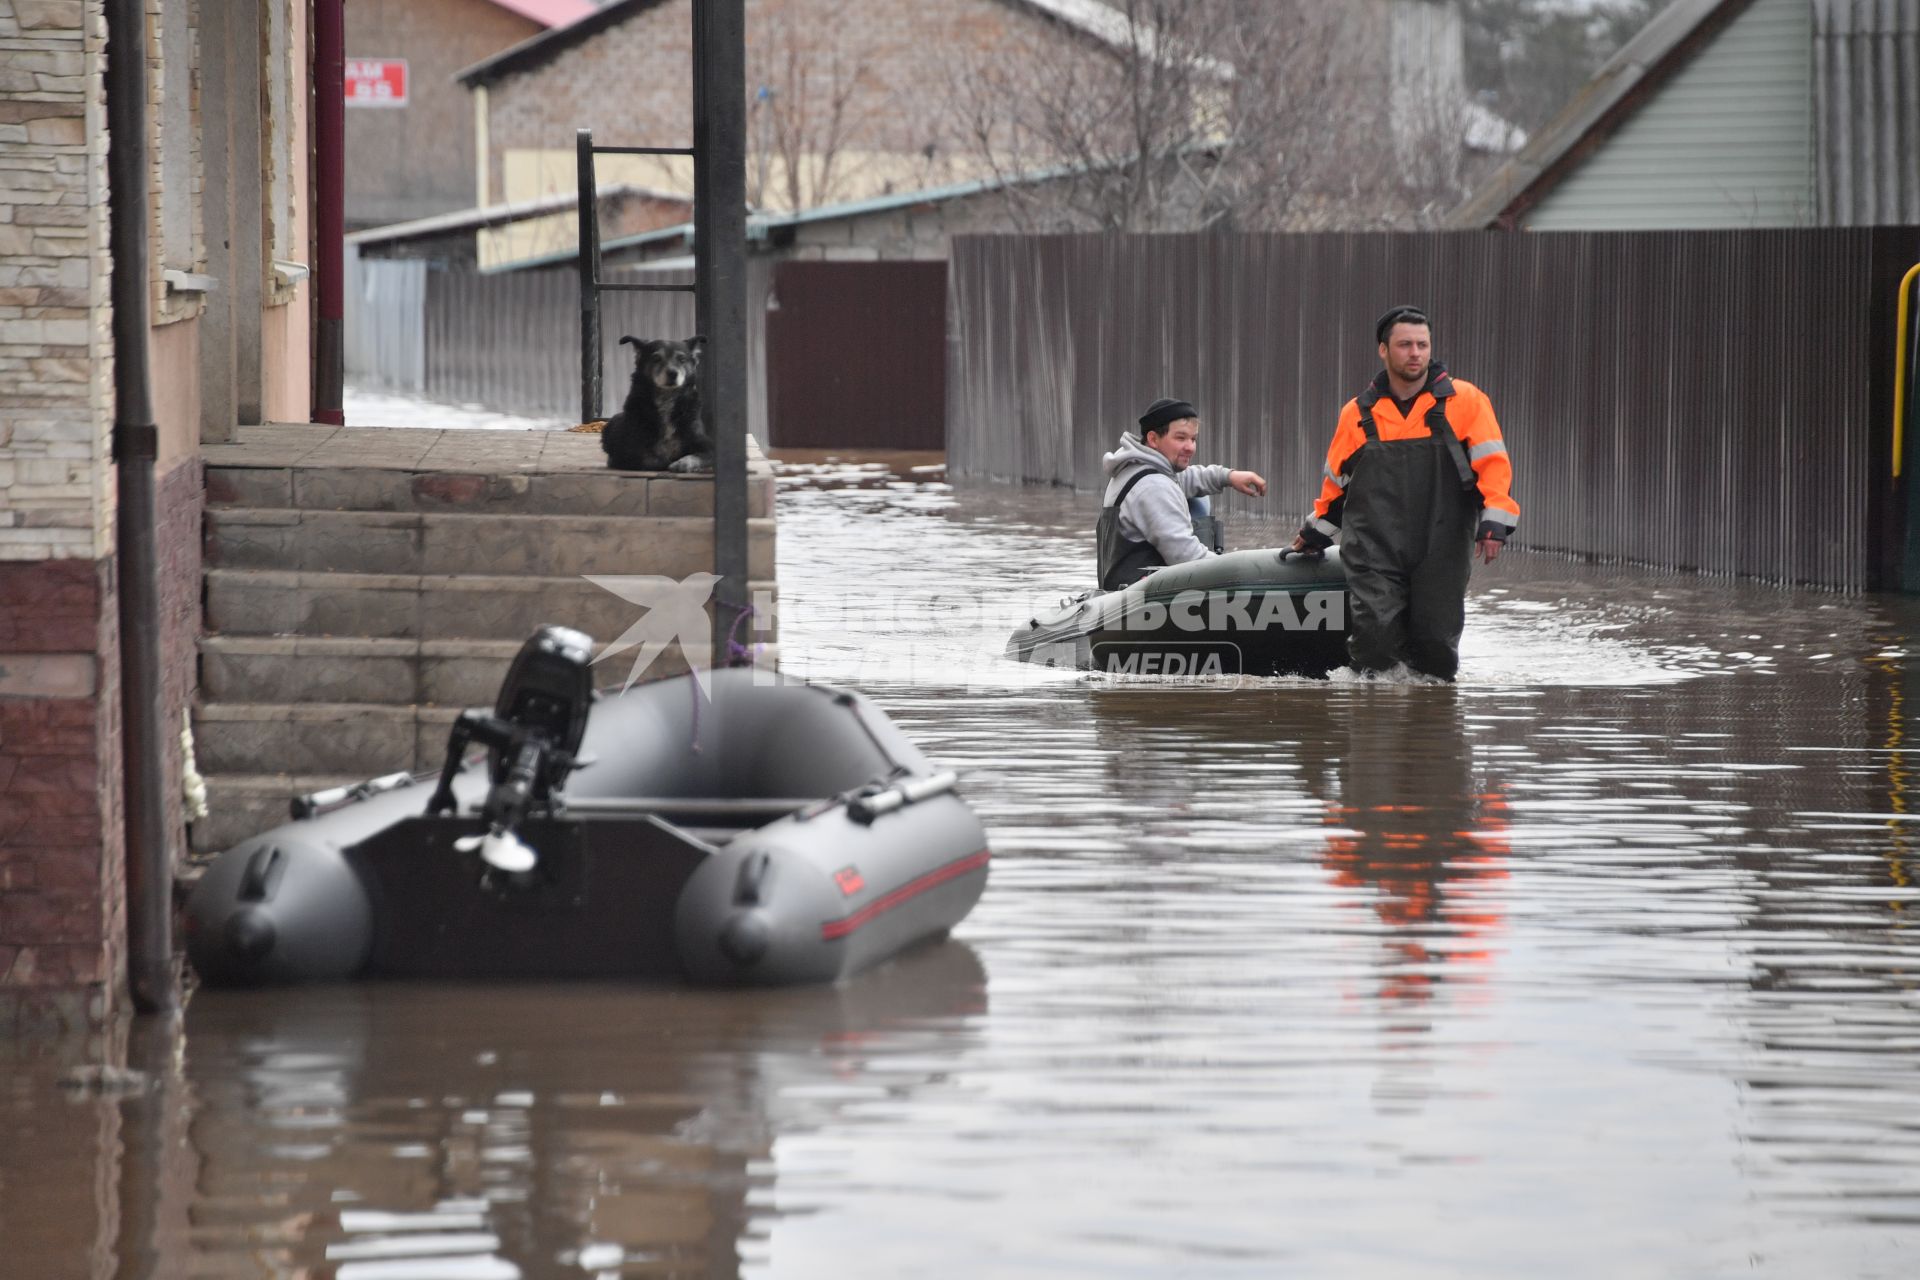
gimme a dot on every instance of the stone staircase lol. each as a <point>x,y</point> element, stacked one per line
<point>364,585</point>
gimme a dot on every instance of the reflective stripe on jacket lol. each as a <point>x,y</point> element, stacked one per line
<point>1469,413</point>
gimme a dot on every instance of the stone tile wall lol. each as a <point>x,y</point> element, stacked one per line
<point>55,360</point>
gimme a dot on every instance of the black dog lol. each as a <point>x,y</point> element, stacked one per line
<point>659,427</point>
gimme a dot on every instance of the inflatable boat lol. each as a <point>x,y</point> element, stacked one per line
<point>1262,612</point>
<point>762,831</point>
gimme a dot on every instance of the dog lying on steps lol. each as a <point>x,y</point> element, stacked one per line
<point>659,426</point>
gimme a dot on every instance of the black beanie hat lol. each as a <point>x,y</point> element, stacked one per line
<point>1398,315</point>
<point>1162,412</point>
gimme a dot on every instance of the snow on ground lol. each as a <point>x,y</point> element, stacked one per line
<point>372,408</point>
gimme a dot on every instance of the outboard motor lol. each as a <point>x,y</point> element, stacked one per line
<point>532,739</point>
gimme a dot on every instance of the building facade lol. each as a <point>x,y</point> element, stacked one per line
<point>1728,114</point>
<point>412,159</point>
<point>228,234</point>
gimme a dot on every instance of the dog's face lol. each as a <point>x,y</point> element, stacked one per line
<point>669,366</point>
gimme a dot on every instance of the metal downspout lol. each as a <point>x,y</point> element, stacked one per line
<point>720,276</point>
<point>329,198</point>
<point>149,865</point>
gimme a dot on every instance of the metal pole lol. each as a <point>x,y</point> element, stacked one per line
<point>329,199</point>
<point>143,759</point>
<point>588,201</point>
<point>720,282</point>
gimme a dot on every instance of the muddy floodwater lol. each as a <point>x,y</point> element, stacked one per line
<point>1603,963</point>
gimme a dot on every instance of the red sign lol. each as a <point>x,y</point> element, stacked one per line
<point>376,82</point>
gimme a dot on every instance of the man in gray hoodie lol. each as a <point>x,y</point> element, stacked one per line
<point>1147,516</point>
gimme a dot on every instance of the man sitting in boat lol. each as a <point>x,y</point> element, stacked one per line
<point>1154,510</point>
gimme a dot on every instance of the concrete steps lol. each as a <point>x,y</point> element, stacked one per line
<point>597,492</point>
<point>353,610</point>
<point>412,542</point>
<point>273,602</point>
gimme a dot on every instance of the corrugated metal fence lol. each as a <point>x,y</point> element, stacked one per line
<point>1698,400</point>
<point>385,339</point>
<point>510,341</point>
<point>1866,68</point>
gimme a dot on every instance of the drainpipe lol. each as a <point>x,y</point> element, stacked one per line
<point>329,198</point>
<point>143,763</point>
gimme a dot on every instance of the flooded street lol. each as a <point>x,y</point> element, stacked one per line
<point>1600,963</point>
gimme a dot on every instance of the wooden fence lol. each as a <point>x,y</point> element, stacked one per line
<point>1706,400</point>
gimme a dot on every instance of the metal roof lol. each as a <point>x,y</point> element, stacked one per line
<point>761,225</point>
<point>496,215</point>
<point>549,13</point>
<point>1092,18</point>
<point>540,49</point>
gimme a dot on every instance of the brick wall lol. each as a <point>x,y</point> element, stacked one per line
<point>412,161</point>
<point>898,60</point>
<point>62,884</point>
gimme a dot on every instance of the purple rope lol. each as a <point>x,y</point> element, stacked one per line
<point>735,652</point>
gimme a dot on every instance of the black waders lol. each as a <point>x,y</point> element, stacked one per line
<point>1407,543</point>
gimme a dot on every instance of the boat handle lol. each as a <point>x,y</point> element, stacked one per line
<point>868,807</point>
<point>308,805</point>
<point>262,874</point>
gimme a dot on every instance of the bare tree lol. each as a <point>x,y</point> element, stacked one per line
<point>1260,114</point>
<point>808,98</point>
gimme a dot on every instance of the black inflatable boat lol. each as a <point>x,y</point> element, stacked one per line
<point>1262,613</point>
<point>777,832</point>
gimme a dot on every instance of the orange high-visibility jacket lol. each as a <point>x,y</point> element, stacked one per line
<point>1469,413</point>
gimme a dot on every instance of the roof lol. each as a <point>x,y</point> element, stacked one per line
<point>1094,18</point>
<point>1112,27</point>
<point>543,48</point>
<point>549,13</point>
<point>1617,90</point>
<point>761,225</point>
<point>498,215</point>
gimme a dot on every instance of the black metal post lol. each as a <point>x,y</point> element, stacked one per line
<point>720,288</point>
<point>143,761</point>
<point>589,203</point>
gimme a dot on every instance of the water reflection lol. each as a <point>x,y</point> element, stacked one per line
<point>411,1130</point>
<point>1420,833</point>
<point>1599,964</point>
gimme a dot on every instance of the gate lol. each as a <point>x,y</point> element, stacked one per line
<point>857,355</point>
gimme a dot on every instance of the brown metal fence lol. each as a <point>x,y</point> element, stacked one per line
<point>1703,400</point>
<point>858,355</point>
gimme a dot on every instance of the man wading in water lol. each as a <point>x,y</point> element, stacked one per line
<point>1416,458</point>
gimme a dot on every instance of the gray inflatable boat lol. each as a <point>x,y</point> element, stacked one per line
<point>1263,612</point>
<point>775,833</point>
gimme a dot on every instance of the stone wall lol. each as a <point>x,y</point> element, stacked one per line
<point>55,361</point>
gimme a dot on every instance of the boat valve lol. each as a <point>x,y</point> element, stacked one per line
<point>746,936</point>
<point>250,934</point>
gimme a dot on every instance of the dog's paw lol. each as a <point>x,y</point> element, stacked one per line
<point>692,462</point>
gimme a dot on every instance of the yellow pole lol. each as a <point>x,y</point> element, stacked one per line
<point>1900,369</point>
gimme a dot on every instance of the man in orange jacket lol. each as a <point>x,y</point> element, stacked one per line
<point>1417,477</point>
